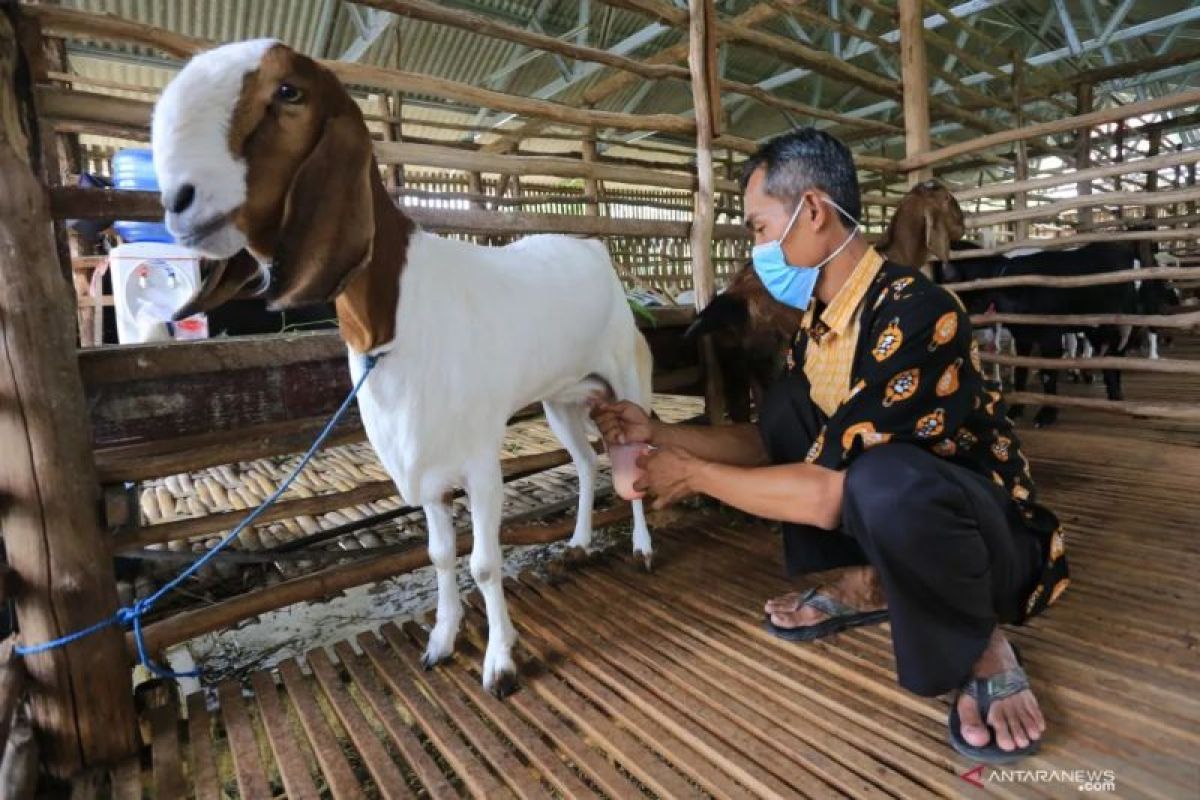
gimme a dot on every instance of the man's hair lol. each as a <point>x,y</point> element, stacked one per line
<point>807,159</point>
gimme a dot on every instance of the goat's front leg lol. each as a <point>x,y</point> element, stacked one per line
<point>485,487</point>
<point>442,553</point>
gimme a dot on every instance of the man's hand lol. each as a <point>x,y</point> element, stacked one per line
<point>622,423</point>
<point>670,475</point>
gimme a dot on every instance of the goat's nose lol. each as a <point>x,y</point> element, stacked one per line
<point>183,198</point>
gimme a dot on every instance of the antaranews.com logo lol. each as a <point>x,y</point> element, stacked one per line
<point>1084,780</point>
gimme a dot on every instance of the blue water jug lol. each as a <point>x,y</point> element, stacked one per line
<point>133,169</point>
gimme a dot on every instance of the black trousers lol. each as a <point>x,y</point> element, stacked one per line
<point>951,549</point>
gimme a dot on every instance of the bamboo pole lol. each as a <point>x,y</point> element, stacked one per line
<point>1021,163</point>
<point>1083,149</point>
<point>1078,239</point>
<point>916,87</point>
<point>13,681</point>
<point>1189,320</point>
<point>1074,281</point>
<point>1184,412</point>
<point>189,624</point>
<point>1130,110</point>
<point>703,64</point>
<point>1083,176</point>
<point>73,203</point>
<point>80,698</point>
<point>591,187</point>
<point>1147,198</point>
<point>139,537</point>
<point>1164,365</point>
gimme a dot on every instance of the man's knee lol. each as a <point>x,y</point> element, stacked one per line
<point>885,489</point>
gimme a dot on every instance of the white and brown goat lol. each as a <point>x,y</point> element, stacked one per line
<point>261,148</point>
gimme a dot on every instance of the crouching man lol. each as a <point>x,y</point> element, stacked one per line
<point>882,452</point>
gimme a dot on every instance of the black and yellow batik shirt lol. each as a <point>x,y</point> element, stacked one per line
<point>916,379</point>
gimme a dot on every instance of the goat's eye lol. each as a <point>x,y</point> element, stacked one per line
<point>288,93</point>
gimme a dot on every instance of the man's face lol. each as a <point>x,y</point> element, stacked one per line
<point>814,235</point>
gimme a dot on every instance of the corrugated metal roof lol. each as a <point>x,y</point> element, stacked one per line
<point>327,27</point>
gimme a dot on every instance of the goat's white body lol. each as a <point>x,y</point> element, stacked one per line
<point>480,333</point>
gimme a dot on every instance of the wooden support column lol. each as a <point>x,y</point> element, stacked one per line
<point>915,79</point>
<point>702,62</point>
<point>1119,157</point>
<point>392,132</point>
<point>81,696</point>
<point>1155,146</point>
<point>1022,153</point>
<point>591,187</point>
<point>1083,149</point>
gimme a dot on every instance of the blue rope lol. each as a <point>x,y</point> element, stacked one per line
<point>131,616</point>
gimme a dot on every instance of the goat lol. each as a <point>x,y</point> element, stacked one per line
<point>259,147</point>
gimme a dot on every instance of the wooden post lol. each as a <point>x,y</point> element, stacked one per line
<point>591,187</point>
<point>1083,149</point>
<point>391,133</point>
<point>916,85</point>
<point>1119,157</point>
<point>81,699</point>
<point>1022,152</point>
<point>702,61</point>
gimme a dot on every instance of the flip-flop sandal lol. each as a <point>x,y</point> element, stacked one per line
<point>841,617</point>
<point>986,691</point>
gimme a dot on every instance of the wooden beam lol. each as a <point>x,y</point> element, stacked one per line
<point>189,624</point>
<point>1083,147</point>
<point>1185,412</point>
<point>702,62</point>
<point>1147,199</point>
<point>1122,69</point>
<point>701,36</point>
<point>1078,239</point>
<point>1168,366</point>
<point>1021,165</point>
<point>1075,281</point>
<point>1190,97</point>
<point>485,25</point>
<point>80,700</point>
<point>1081,176</point>
<point>1185,321</point>
<point>77,203</point>
<point>916,86</point>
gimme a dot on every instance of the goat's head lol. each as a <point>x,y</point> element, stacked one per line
<point>259,147</point>
<point>925,224</point>
<point>747,308</point>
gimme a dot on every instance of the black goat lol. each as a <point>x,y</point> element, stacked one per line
<point>1091,259</point>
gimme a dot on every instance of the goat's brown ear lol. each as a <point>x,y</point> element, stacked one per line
<point>239,276</point>
<point>328,221</point>
<point>937,235</point>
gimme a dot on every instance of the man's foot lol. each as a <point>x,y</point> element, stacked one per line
<point>1016,718</point>
<point>857,587</point>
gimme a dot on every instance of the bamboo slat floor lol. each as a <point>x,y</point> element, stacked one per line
<point>666,685</point>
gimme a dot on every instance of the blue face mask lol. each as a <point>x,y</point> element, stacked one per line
<point>790,284</point>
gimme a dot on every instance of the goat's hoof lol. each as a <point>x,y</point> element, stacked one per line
<point>504,684</point>
<point>646,558</point>
<point>1045,417</point>
<point>576,556</point>
<point>431,660</point>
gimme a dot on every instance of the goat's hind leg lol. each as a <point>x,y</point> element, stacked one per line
<point>442,552</point>
<point>485,487</point>
<point>569,423</point>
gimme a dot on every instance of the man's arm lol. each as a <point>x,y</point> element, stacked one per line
<point>738,445</point>
<point>800,493</point>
